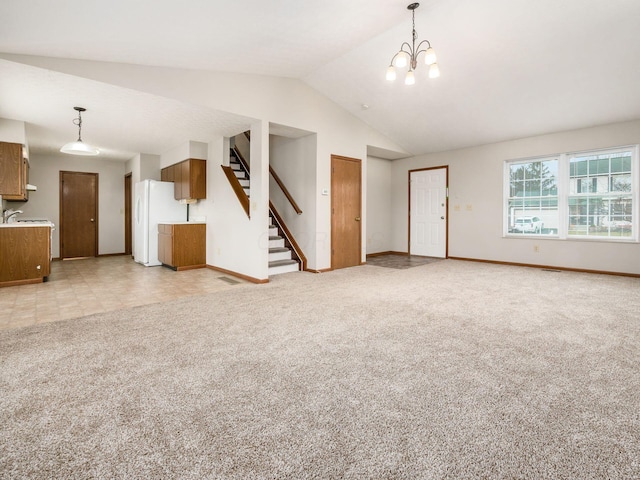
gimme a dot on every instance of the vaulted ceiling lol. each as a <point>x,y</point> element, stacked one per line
<point>509,68</point>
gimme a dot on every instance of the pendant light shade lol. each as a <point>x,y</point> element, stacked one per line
<point>391,73</point>
<point>410,79</point>
<point>79,147</point>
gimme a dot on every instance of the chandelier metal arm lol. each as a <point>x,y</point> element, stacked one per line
<point>402,50</point>
<point>424,50</point>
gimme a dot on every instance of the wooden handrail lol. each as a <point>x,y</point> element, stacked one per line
<point>237,188</point>
<point>284,190</point>
<point>289,236</point>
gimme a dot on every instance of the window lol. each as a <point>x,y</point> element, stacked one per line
<point>600,194</point>
<point>577,195</point>
<point>532,206</point>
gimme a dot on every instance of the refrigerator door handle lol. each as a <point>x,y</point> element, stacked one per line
<point>137,215</point>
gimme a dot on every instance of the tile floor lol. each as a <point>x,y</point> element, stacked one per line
<point>93,285</point>
<point>82,287</point>
<point>395,260</point>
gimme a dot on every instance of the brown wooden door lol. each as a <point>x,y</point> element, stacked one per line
<point>78,214</point>
<point>346,212</point>
<point>127,214</point>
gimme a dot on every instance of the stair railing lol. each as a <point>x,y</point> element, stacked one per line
<point>284,190</point>
<point>275,176</point>
<point>288,236</point>
<point>237,188</point>
<point>235,183</point>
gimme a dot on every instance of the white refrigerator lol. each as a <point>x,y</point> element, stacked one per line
<point>153,203</point>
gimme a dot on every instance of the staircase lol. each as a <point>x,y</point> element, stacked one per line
<point>240,172</point>
<point>280,256</point>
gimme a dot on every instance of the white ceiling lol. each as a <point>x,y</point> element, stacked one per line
<point>510,68</point>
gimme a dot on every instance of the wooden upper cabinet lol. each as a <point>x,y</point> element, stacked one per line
<point>167,174</point>
<point>189,178</point>
<point>14,172</point>
<point>197,178</point>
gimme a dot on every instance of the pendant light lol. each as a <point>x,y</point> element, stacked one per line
<point>79,147</point>
<point>408,55</point>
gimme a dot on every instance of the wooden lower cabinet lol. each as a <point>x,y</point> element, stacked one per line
<point>182,245</point>
<point>25,255</point>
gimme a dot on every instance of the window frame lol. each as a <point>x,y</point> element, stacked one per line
<point>563,194</point>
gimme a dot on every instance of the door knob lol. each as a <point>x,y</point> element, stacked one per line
<point>441,218</point>
<point>92,220</point>
<point>357,219</point>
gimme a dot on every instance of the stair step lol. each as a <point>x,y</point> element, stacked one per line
<point>239,173</point>
<point>275,241</point>
<point>244,182</point>
<point>283,266</point>
<point>235,166</point>
<point>279,253</point>
<point>273,231</point>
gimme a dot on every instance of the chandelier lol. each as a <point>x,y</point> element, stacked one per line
<point>79,147</point>
<point>408,55</point>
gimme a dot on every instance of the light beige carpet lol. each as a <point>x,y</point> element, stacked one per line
<point>444,371</point>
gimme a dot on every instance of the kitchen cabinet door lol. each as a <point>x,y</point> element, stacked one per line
<point>25,254</point>
<point>14,170</point>
<point>182,246</point>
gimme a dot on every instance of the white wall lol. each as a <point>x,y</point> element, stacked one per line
<point>379,197</point>
<point>190,149</point>
<point>476,202</point>
<point>45,202</point>
<point>12,131</point>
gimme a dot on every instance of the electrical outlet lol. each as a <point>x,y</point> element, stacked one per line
<point>536,248</point>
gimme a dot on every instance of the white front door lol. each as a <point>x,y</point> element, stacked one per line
<point>428,212</point>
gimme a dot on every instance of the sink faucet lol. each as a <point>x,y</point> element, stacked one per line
<point>9,213</point>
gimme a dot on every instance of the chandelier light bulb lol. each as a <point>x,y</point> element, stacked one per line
<point>410,79</point>
<point>401,60</point>
<point>430,56</point>
<point>434,71</point>
<point>391,73</point>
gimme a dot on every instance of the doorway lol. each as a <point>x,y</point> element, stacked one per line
<point>127,214</point>
<point>78,214</point>
<point>428,212</point>
<point>346,212</point>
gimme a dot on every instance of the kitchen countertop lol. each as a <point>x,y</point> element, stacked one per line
<point>181,223</point>
<point>28,224</point>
